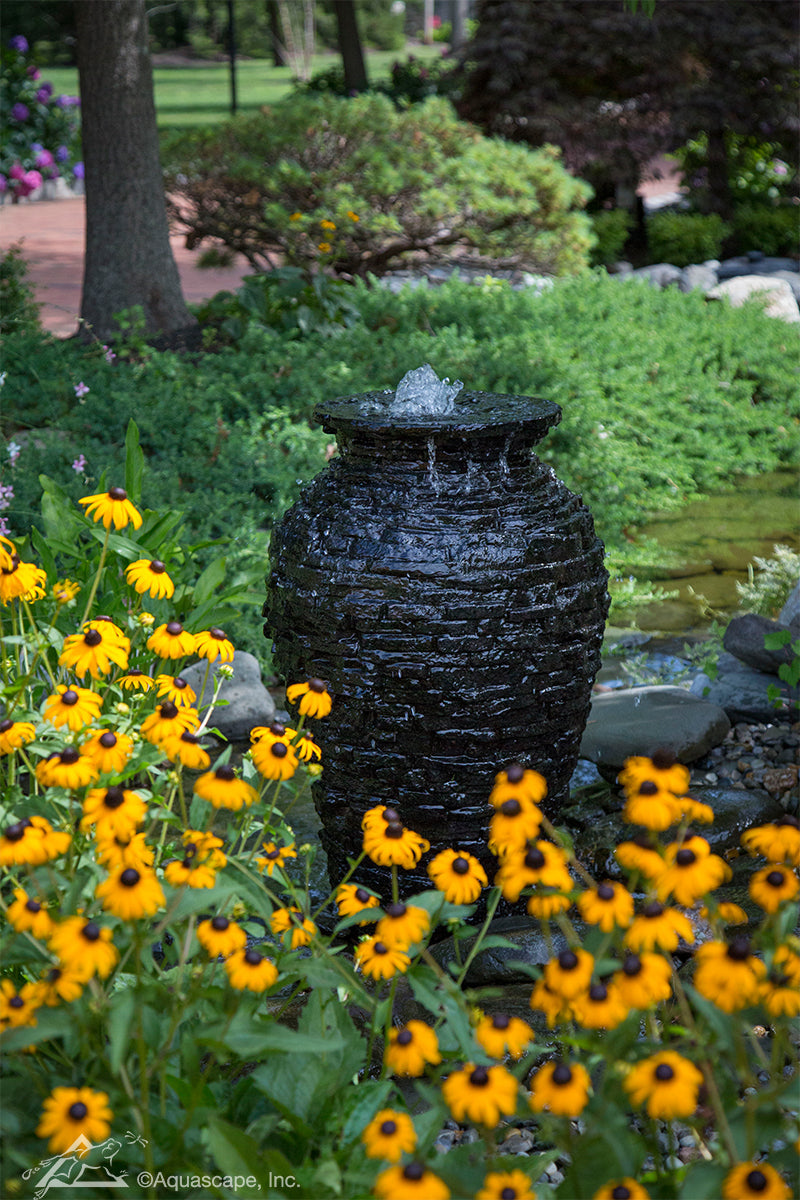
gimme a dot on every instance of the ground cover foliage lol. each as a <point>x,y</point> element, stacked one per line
<point>664,396</point>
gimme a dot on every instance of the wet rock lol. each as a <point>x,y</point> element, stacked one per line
<point>497,964</point>
<point>744,639</point>
<point>734,812</point>
<point>248,701</point>
<point>780,780</point>
<point>660,275</point>
<point>743,692</point>
<point>642,720</point>
<point>791,609</point>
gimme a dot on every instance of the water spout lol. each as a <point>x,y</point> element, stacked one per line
<point>421,393</point>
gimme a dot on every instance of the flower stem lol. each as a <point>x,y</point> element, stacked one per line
<point>100,566</point>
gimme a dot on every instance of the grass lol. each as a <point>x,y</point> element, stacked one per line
<point>200,94</point>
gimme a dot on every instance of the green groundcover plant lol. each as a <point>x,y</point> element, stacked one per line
<point>173,1005</point>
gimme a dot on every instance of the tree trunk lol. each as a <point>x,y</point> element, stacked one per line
<point>355,71</point>
<point>719,193</point>
<point>128,255</point>
<point>279,58</point>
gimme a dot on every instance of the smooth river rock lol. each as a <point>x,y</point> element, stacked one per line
<point>645,719</point>
<point>247,701</point>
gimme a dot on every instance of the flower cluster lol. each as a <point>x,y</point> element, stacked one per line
<point>39,132</point>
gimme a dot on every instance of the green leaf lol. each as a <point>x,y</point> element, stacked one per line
<point>119,1026</point>
<point>275,1037</point>
<point>371,1096</point>
<point>209,580</point>
<point>234,1152</point>
<point>134,463</point>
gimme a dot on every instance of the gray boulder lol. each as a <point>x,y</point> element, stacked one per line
<point>744,639</point>
<point>742,691</point>
<point>779,298</point>
<point>790,613</point>
<point>248,701</point>
<point>755,264</point>
<point>644,719</point>
<point>698,276</point>
<point>659,275</point>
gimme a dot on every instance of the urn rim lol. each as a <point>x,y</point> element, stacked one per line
<point>476,414</point>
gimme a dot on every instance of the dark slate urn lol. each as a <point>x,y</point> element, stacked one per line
<point>452,594</point>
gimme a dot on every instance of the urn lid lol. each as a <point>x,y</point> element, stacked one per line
<point>475,414</point>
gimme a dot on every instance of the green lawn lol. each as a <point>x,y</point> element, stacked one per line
<point>200,95</point>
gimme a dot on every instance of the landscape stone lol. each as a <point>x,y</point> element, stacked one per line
<point>643,719</point>
<point>742,691</point>
<point>660,275</point>
<point>744,639</point>
<point>248,701</point>
<point>743,264</point>
<point>697,276</point>
<point>495,965</point>
<point>779,297</point>
<point>791,609</point>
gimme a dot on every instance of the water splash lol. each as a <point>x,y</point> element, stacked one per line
<point>421,393</point>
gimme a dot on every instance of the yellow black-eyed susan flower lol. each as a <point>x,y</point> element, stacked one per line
<point>70,1113</point>
<point>779,841</point>
<point>690,870</point>
<point>21,579</point>
<point>553,1005</point>
<point>515,783</point>
<point>539,862</point>
<point>112,507</point>
<point>64,590</point>
<point>459,875</point>
<point>18,1006</point>
<point>31,842</point>
<point>7,552</point>
<point>28,915</point>
<point>110,631</point>
<point>202,846</point>
<point>787,960</point>
<point>176,689</point>
<point>403,925</point>
<point>248,970</point>
<point>109,751</point>
<point>394,845</point>
<point>291,919</point>
<point>544,903</point>
<point>779,995</point>
<point>307,749</point>
<point>622,1189</point>
<point>375,818</point>
<point>481,1094</point>
<point>121,848</point>
<point>601,1006</point>
<point>569,973</point>
<point>315,699</point>
<point>500,1034</point>
<point>515,822</point>
<point>150,575</point>
<point>220,936</point>
<point>773,886</point>
<point>389,1135</point>
<point>222,788</point>
<point>411,1048</point>
<point>136,680</point>
<point>60,985</point>
<point>377,960</point>
<point>658,928</point>
<point>275,856</point>
<point>187,872</point>
<point>754,1181</point>
<point>95,650</point>
<point>666,1084</point>
<point>644,980</point>
<point>728,913</point>
<point>276,732</point>
<point>171,640</point>
<point>652,806</point>
<point>729,974</point>
<point>560,1088</point>
<point>274,759</point>
<point>506,1185</point>
<point>609,905</point>
<point>84,947</point>
<point>14,734</point>
<point>214,644</point>
<point>168,722</point>
<point>113,809</point>
<point>414,1181</point>
<point>639,856</point>
<point>351,898</point>
<point>66,768</point>
<point>662,768</point>
<point>695,810</point>
<point>187,750</point>
<point>129,893</point>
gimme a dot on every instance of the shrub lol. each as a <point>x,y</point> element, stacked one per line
<point>767,591</point>
<point>766,227</point>
<point>611,230</point>
<point>353,186</point>
<point>684,238</point>
<point>39,132</point>
<point>19,311</point>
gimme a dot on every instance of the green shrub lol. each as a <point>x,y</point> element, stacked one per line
<point>684,238</point>
<point>284,299</point>
<point>765,227</point>
<point>19,311</point>
<point>767,591</point>
<point>611,230</point>
<point>353,186</point>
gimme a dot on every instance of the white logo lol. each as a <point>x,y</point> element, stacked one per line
<point>84,1165</point>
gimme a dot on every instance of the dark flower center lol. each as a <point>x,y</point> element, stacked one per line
<point>632,965</point>
<point>54,974</point>
<point>391,816</point>
<point>168,711</point>
<point>316,685</point>
<point>534,859</point>
<point>508,1193</point>
<point>405,1037</point>
<point>501,1021</point>
<point>605,892</point>
<point>479,1077</point>
<point>388,1128</point>
<point>511,808</point>
<point>362,895</point>
<point>157,567</point>
<point>380,948</point>
<point>663,759</point>
<point>78,1110</point>
<point>219,924</point>
<point>620,1192</point>
<point>739,949</point>
<point>90,931</point>
<point>253,958</point>
<point>107,739</point>
<point>16,1002</point>
<point>515,773</point>
<point>757,1181</point>
<point>792,822</point>
<point>69,755</point>
<point>129,877</point>
<point>685,857</point>
<point>776,879</point>
<point>648,788</point>
<point>33,906</point>
<point>414,1172</point>
<point>568,960</point>
<point>653,909</point>
<point>114,797</point>
<point>226,773</point>
<point>664,1073</point>
<point>273,853</point>
<point>15,832</point>
<point>93,637</point>
<point>460,866</point>
<point>279,750</point>
<point>218,634</point>
<point>174,628</point>
<point>5,725</point>
<point>69,697</point>
<point>179,682</point>
<point>188,736</point>
<point>394,830</point>
<point>562,1075</point>
<point>598,992</point>
<point>396,910</point>
<point>118,493</point>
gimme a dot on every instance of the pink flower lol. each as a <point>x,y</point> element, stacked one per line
<point>81,389</point>
<point>79,464</point>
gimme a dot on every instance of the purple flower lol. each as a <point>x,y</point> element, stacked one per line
<point>79,464</point>
<point>14,452</point>
<point>77,170</point>
<point>20,111</point>
<point>19,43</point>
<point>6,495</point>
<point>33,72</point>
<point>44,93</point>
<point>36,147</point>
<point>3,183</point>
<point>109,354</point>
<point>32,180</point>
<point>81,389</point>
<point>44,159</point>
<point>4,530</point>
<point>62,153</point>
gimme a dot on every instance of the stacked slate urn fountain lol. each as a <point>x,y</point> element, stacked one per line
<point>451,593</point>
